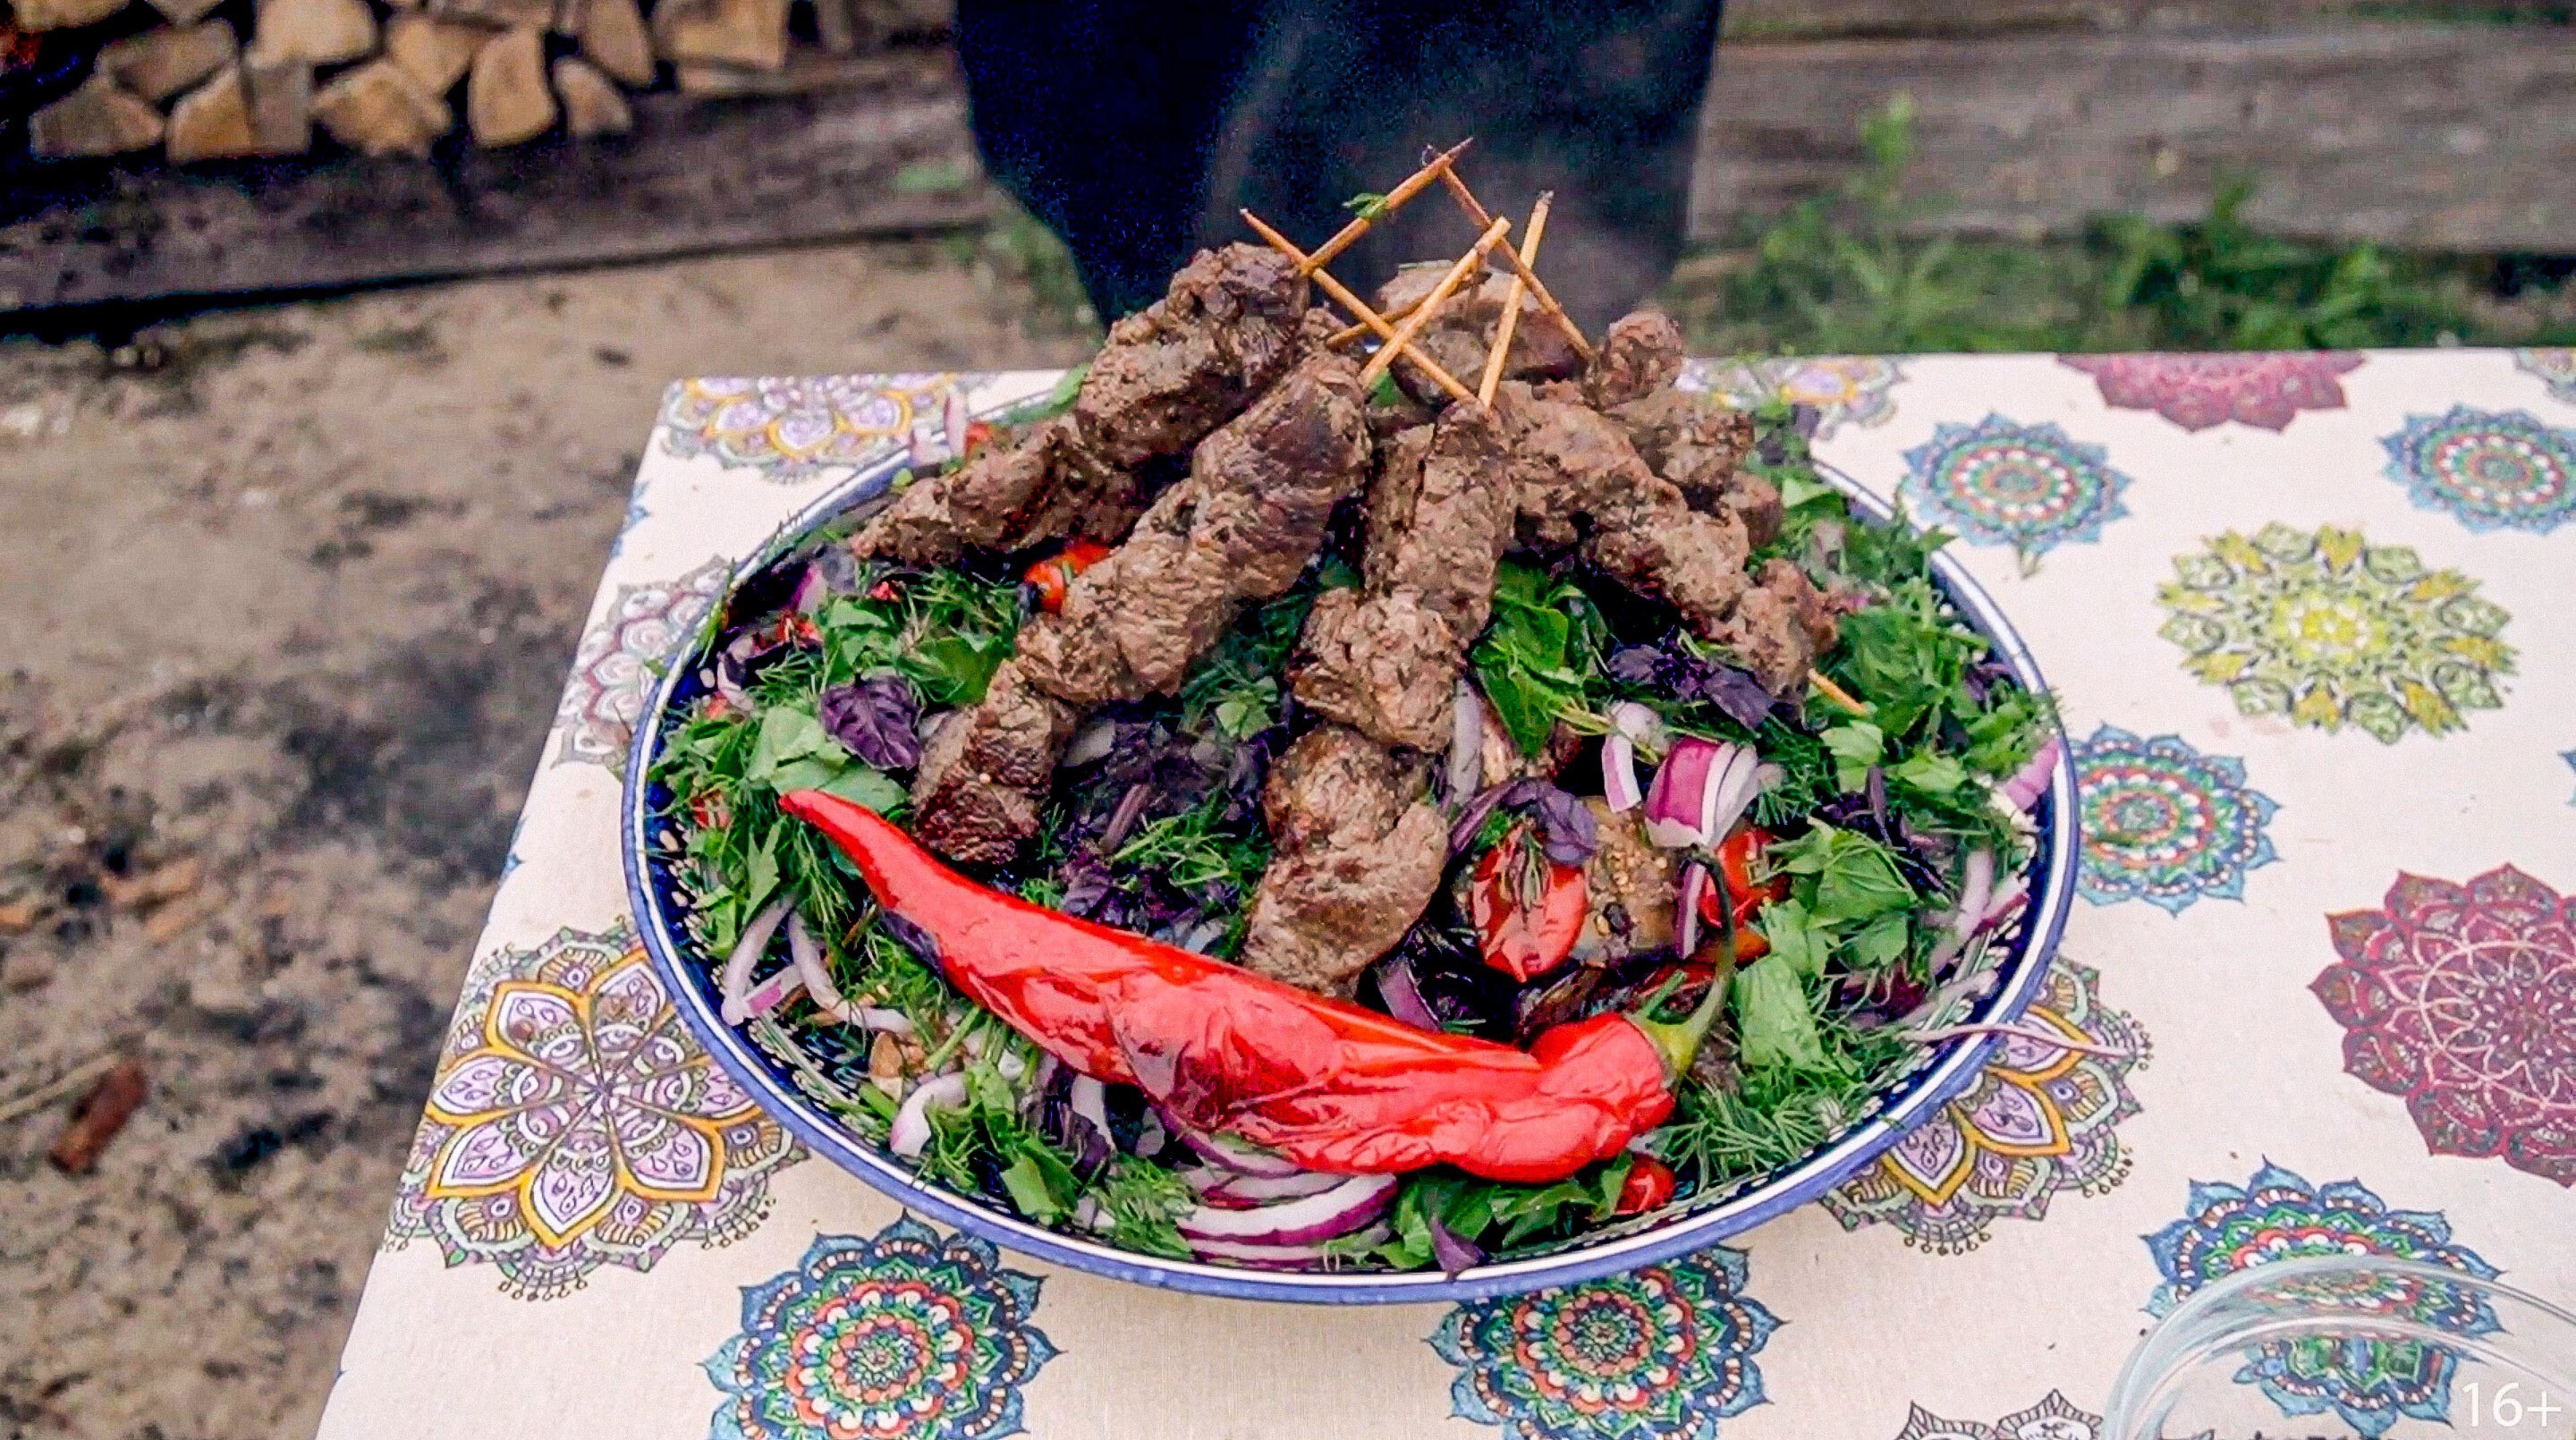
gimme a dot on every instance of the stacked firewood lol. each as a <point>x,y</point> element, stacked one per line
<point>391,78</point>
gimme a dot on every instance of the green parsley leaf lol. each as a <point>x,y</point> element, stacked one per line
<point>1797,941</point>
<point>1844,876</point>
<point>953,669</point>
<point>1930,772</point>
<point>1775,1018</point>
<point>787,735</point>
<point>1856,747</point>
<point>865,785</point>
<point>1368,205</point>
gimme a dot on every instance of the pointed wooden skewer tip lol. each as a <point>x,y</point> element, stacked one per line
<point>1369,318</point>
<point>1433,303</point>
<point>1414,184</point>
<point>1477,213</point>
<point>1512,302</point>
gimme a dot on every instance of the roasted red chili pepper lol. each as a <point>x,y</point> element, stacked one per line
<point>1324,1082</point>
<point>1649,1186</point>
<point>1527,909</point>
<point>1049,578</point>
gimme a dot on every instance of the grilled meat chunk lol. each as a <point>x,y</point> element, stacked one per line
<point>1384,661</point>
<point>1779,627</point>
<point>1360,848</point>
<point>1700,446</point>
<point>1240,527</point>
<point>986,768</point>
<point>1639,355</point>
<point>1461,336</point>
<point>1230,325</point>
<point>1580,481</point>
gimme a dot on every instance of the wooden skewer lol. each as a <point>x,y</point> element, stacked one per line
<point>1349,333</point>
<point>1433,302</point>
<point>1414,184</point>
<point>1826,687</point>
<point>1369,318</point>
<point>1512,302</point>
<point>1476,212</point>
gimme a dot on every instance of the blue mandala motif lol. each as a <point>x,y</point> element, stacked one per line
<point>2031,487</point>
<point>2492,470</point>
<point>906,1335</point>
<point>1663,1352</point>
<point>2278,1216</point>
<point>2164,823</point>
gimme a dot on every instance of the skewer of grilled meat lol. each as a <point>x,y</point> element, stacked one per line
<point>1357,851</point>
<point>1167,376</point>
<point>1240,527</point>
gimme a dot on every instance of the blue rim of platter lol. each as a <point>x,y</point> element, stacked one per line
<point>1947,1071</point>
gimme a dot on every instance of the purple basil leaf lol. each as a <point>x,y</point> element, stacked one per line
<point>911,937</point>
<point>1876,789</point>
<point>1451,1251</point>
<point>1472,819</point>
<point>1402,996</point>
<point>1565,823</point>
<point>1738,694</point>
<point>877,719</point>
<point>1634,665</point>
<point>1804,418</point>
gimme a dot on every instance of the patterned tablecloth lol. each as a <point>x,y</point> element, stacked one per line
<point>2313,621</point>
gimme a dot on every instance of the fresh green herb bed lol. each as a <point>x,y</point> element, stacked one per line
<point>1873,817</point>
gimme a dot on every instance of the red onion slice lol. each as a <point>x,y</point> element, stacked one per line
<point>1346,1207</point>
<point>1243,1192</point>
<point>1976,888</point>
<point>1676,799</point>
<point>777,990</point>
<point>746,952</point>
<point>1619,774</point>
<point>2031,781</point>
<point>1239,1156</point>
<point>911,1130</point>
<point>1686,919</point>
<point>1278,1257</point>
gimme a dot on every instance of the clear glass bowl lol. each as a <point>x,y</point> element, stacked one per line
<point>2351,1345</point>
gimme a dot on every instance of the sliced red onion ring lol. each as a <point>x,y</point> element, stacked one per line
<point>1466,743</point>
<point>746,953</point>
<point>1700,792</point>
<point>777,990</point>
<point>1619,774</point>
<point>1278,1257</point>
<point>1240,1156</point>
<point>1354,1202</point>
<point>827,997</point>
<point>811,591</point>
<point>911,1129</point>
<point>2009,897</point>
<point>2030,782</point>
<point>1686,918</point>
<point>1976,888</point>
<point>1090,1100</point>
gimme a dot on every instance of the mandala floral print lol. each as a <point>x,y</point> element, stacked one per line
<point>792,430</point>
<point>2165,823</point>
<point>2051,1419</point>
<point>612,667</point>
<point>2030,487</point>
<point>2277,1216</point>
<point>2331,630</point>
<point>2556,369</point>
<point>906,1336</point>
<point>2197,392</point>
<point>1843,389</point>
<point>1666,1351</point>
<point>2491,470</point>
<point>574,1123</point>
<point>2462,1000</point>
<point>2042,1119</point>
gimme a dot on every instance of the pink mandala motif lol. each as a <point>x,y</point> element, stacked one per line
<point>574,1123</point>
<point>2462,999</point>
<point>612,665</point>
<point>2263,389</point>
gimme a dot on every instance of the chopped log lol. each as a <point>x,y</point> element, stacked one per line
<point>748,33</point>
<point>96,119</point>
<point>36,15</point>
<point>434,52</point>
<point>158,64</point>
<point>318,32</point>
<point>379,109</point>
<point>184,12</point>
<point>506,99</point>
<point>808,72</point>
<point>836,25</point>
<point>501,14</point>
<point>612,38</point>
<point>212,122</point>
<point>591,104</point>
<point>281,102</point>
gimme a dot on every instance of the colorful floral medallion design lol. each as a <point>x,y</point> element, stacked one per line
<point>795,429</point>
<point>2042,1119</point>
<point>573,1123</point>
<point>2492,470</point>
<point>2165,823</point>
<point>2051,1419</point>
<point>612,666</point>
<point>1666,1351</point>
<point>1844,389</point>
<point>2027,486</point>
<point>2264,390</point>
<point>903,1337</point>
<point>2330,631</point>
<point>2277,1216</point>
<point>2462,999</point>
<point>2556,369</point>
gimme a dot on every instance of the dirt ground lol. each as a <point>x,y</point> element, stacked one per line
<point>291,595</point>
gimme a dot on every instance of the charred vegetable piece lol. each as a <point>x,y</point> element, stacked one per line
<point>1327,1084</point>
<point>1048,579</point>
<point>1527,909</point>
